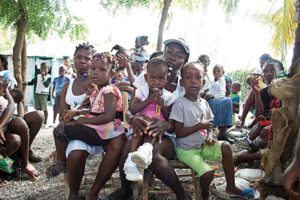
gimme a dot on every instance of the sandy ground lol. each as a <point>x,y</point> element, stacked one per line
<point>45,189</point>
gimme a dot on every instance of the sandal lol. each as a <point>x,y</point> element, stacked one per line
<point>52,172</point>
<point>31,173</point>
<point>247,193</point>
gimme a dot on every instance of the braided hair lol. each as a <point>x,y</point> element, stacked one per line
<point>86,46</point>
<point>108,59</point>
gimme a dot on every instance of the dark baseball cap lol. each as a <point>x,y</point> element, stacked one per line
<point>181,42</point>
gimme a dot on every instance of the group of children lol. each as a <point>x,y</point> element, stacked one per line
<point>191,115</point>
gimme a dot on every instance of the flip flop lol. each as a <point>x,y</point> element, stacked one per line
<point>52,172</point>
<point>247,193</point>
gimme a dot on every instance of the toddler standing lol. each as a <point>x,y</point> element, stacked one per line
<point>58,83</point>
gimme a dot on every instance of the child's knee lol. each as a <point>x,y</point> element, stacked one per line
<point>226,149</point>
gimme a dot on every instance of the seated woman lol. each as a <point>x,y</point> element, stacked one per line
<point>9,141</point>
<point>72,94</point>
<point>264,103</point>
<point>18,125</point>
<point>30,120</point>
<point>221,106</point>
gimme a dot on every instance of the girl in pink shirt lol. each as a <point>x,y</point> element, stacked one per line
<point>151,101</point>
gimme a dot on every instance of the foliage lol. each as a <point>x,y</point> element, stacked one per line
<point>44,17</point>
<point>6,38</point>
<point>241,77</point>
<point>113,5</point>
<point>230,7</point>
<point>284,24</point>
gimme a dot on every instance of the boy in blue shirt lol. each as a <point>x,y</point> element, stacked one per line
<point>58,83</point>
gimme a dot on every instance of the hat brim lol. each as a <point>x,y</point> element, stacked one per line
<point>182,44</point>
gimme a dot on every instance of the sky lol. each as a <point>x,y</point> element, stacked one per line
<point>235,45</point>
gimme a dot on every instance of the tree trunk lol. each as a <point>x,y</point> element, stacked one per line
<point>18,46</point>
<point>164,15</point>
<point>24,63</point>
<point>285,123</point>
<point>296,56</point>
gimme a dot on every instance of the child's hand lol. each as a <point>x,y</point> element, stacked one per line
<point>123,59</point>
<point>153,96</point>
<point>254,84</point>
<point>206,124</point>
<point>210,140</point>
<point>91,88</point>
<point>2,138</point>
<point>160,102</point>
<point>68,115</point>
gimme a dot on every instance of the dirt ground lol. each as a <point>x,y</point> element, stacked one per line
<point>47,189</point>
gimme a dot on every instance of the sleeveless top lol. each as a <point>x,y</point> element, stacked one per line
<point>73,100</point>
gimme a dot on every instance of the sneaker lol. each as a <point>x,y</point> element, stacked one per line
<point>133,173</point>
<point>143,156</point>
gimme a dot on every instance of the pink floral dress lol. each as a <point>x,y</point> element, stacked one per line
<point>111,129</point>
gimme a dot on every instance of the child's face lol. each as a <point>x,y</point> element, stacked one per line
<point>218,72</point>
<point>67,62</point>
<point>100,72</point>
<point>157,76</point>
<point>44,69</point>
<point>136,68</point>
<point>235,88</point>
<point>61,71</point>
<point>269,73</point>
<point>192,79</point>
<point>82,61</point>
<point>119,76</point>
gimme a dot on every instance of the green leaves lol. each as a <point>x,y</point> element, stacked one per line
<point>44,17</point>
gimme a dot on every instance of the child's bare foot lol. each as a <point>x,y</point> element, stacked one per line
<point>31,173</point>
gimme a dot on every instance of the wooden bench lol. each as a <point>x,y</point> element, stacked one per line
<point>142,190</point>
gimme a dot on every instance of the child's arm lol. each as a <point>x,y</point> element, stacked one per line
<point>53,90</point>
<point>138,105</point>
<point>181,131</point>
<point>32,82</point>
<point>110,105</point>
<point>20,109</point>
<point>258,101</point>
<point>46,82</point>
<point>9,111</point>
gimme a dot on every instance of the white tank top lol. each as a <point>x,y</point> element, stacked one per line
<point>72,100</point>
